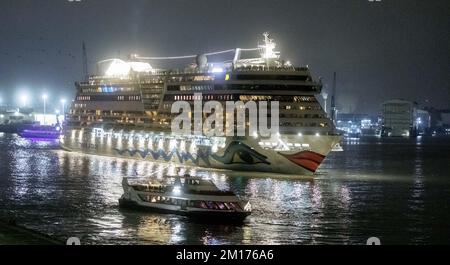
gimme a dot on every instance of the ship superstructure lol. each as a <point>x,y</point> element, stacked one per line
<point>126,111</point>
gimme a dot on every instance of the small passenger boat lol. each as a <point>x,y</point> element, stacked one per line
<point>41,132</point>
<point>189,196</point>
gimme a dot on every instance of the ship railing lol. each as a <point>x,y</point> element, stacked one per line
<point>263,68</point>
<point>103,79</point>
<point>210,192</point>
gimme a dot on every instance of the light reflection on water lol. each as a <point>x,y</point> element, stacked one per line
<point>396,190</point>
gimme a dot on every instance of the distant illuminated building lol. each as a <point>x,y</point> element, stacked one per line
<point>398,118</point>
<point>48,119</point>
<point>356,125</point>
<point>422,121</point>
<point>11,116</point>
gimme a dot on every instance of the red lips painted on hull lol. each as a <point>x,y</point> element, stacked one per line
<point>307,159</point>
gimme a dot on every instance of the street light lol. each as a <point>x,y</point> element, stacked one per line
<point>44,97</point>
<point>325,97</point>
<point>63,102</point>
<point>24,100</point>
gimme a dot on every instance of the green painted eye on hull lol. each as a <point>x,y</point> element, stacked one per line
<point>239,153</point>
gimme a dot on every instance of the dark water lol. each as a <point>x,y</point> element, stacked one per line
<point>394,189</point>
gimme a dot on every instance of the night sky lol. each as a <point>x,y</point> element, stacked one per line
<point>380,50</point>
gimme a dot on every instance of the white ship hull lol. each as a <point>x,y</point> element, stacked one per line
<point>288,154</point>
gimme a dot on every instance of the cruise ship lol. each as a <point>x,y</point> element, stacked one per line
<point>125,111</point>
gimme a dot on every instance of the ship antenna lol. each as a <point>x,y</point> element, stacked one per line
<point>85,64</point>
<point>268,49</point>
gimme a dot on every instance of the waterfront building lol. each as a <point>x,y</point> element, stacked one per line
<point>422,121</point>
<point>398,118</point>
<point>355,125</point>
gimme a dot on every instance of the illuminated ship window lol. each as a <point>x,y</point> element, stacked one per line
<point>203,78</point>
<point>304,99</point>
<point>255,98</point>
<point>83,98</point>
<point>185,88</point>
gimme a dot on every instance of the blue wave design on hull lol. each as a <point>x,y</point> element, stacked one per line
<point>156,155</point>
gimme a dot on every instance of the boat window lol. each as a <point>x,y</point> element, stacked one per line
<point>212,205</point>
<point>232,206</point>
